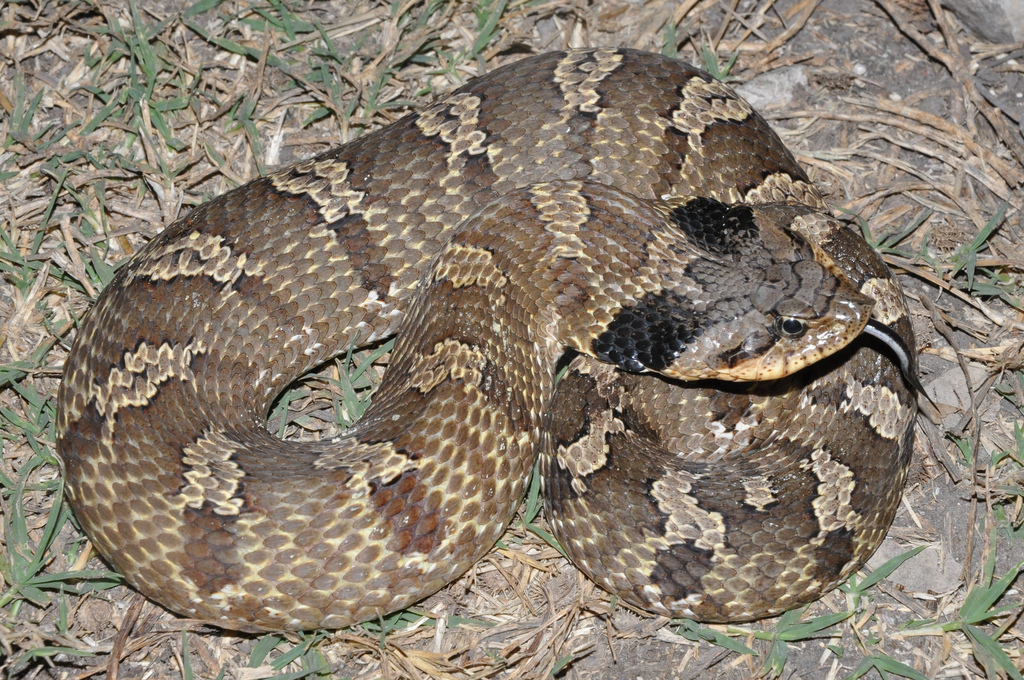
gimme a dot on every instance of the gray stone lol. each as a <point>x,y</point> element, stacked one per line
<point>997,21</point>
<point>775,88</point>
<point>930,572</point>
<point>951,395</point>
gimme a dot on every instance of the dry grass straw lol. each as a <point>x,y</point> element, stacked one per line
<point>118,117</point>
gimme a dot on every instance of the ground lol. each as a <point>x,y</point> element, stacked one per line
<point>118,117</point>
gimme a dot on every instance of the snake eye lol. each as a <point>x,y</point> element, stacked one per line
<point>790,327</point>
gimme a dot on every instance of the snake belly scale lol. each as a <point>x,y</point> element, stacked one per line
<point>726,444</point>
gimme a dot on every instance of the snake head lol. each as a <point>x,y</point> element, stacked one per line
<point>806,316</point>
<point>750,301</point>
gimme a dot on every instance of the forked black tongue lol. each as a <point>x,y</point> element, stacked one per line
<point>907,362</point>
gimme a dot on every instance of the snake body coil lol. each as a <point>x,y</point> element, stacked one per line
<point>617,204</point>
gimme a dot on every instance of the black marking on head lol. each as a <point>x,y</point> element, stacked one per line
<point>651,334</point>
<point>719,228</point>
<point>754,346</point>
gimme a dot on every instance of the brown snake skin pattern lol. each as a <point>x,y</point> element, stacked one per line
<point>616,205</point>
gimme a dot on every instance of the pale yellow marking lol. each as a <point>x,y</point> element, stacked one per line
<point>832,505</point>
<point>449,360</point>
<point>469,266</point>
<point>759,493</point>
<point>815,227</point>
<point>590,453</point>
<point>783,188</point>
<point>326,183</point>
<point>564,213</point>
<point>212,476</point>
<point>703,104</point>
<point>364,461</point>
<point>144,370</point>
<point>578,75</point>
<point>687,521</point>
<point>456,121</point>
<point>890,305</point>
<point>197,254</point>
<point>886,412</point>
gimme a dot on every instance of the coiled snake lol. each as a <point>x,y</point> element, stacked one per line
<point>616,205</point>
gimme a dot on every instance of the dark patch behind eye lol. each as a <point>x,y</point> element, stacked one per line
<point>753,347</point>
<point>719,228</point>
<point>651,334</point>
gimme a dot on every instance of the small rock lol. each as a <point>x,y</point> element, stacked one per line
<point>775,88</point>
<point>950,393</point>
<point>96,615</point>
<point>930,572</point>
<point>998,21</point>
